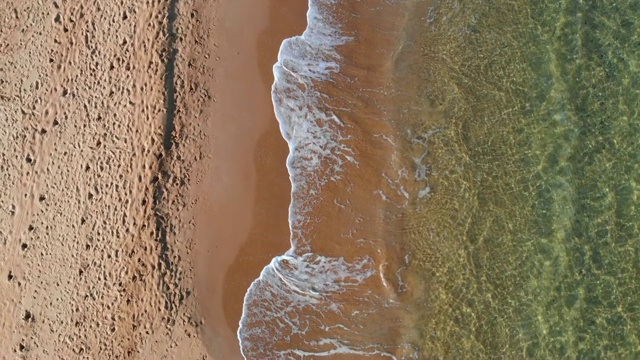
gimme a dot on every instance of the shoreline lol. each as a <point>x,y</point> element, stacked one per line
<point>350,187</point>
<point>241,220</point>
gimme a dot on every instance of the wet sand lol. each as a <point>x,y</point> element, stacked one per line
<point>242,219</point>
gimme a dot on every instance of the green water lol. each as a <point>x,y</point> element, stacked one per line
<point>530,242</point>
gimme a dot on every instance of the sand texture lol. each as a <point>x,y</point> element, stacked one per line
<point>95,220</point>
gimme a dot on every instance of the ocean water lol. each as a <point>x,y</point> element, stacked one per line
<point>465,183</point>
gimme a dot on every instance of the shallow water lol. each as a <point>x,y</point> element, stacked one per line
<point>529,243</point>
<point>465,183</point>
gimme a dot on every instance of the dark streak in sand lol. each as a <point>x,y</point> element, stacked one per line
<point>162,223</point>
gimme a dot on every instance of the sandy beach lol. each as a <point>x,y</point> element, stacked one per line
<point>143,174</point>
<point>444,178</point>
<point>93,257</point>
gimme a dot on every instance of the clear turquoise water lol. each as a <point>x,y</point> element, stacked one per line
<point>529,244</point>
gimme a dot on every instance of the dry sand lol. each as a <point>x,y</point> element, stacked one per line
<point>92,257</point>
<point>109,148</point>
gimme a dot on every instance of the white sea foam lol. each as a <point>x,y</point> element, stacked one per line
<point>305,304</point>
<point>317,152</point>
<point>292,285</point>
